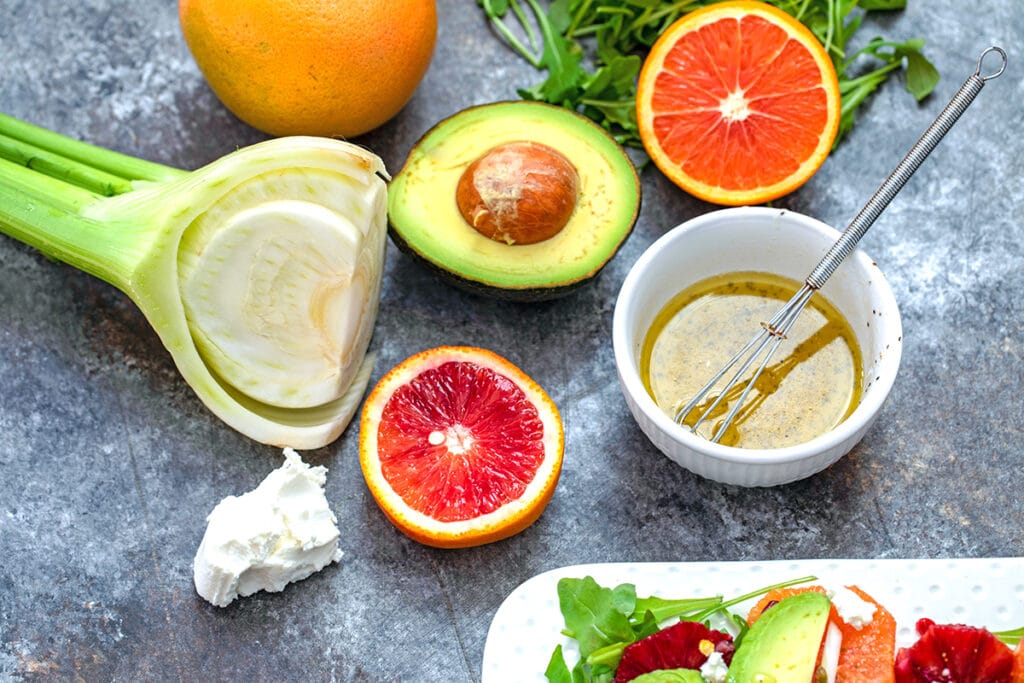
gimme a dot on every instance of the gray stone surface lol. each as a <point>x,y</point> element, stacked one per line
<point>109,464</point>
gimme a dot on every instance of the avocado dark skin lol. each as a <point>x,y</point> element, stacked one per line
<point>530,295</point>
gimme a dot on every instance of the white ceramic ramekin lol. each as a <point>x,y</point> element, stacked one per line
<point>767,240</point>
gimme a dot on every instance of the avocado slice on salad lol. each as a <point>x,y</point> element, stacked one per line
<point>782,645</point>
<point>522,201</point>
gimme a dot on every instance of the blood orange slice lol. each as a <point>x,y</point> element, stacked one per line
<point>945,653</point>
<point>459,447</point>
<point>738,103</point>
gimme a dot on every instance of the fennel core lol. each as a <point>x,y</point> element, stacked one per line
<point>260,272</point>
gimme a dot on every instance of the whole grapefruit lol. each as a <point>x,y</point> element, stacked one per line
<point>335,68</point>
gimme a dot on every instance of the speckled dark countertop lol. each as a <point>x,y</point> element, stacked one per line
<point>109,463</point>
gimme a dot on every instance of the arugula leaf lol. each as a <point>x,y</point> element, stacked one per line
<point>922,76</point>
<point>593,49</point>
<point>608,94</point>
<point>561,57</point>
<point>596,616</point>
<point>558,671</point>
<point>1011,637</point>
<point>662,609</point>
<point>607,657</point>
<point>647,626</point>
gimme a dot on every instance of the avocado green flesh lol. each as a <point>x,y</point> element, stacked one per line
<point>425,219</point>
<point>782,645</point>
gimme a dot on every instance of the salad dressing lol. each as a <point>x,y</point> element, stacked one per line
<point>813,382</point>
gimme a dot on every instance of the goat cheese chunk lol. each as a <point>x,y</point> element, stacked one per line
<point>852,609</point>
<point>280,532</point>
<point>714,669</point>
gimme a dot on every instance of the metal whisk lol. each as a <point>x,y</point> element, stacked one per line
<point>773,332</point>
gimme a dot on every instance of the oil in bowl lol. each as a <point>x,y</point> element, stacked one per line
<point>813,382</point>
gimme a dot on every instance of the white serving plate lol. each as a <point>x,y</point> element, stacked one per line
<point>979,592</point>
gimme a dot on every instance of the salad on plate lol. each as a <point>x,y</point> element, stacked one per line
<point>797,631</point>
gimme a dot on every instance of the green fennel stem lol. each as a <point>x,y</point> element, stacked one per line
<point>114,163</point>
<point>56,166</point>
<point>60,233</point>
<point>47,184</point>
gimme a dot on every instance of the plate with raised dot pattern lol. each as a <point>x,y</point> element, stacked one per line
<point>985,592</point>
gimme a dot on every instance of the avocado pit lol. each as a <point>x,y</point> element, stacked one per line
<point>518,193</point>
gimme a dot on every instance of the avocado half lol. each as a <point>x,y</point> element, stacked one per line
<point>426,221</point>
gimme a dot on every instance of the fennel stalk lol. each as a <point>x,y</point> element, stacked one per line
<point>260,272</point>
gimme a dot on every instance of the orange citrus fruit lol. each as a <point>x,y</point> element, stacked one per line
<point>311,67</point>
<point>867,653</point>
<point>738,103</point>
<point>459,447</point>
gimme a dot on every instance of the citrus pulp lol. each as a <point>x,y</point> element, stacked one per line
<point>459,447</point>
<point>738,103</point>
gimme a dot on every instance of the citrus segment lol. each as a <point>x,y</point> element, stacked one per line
<point>459,447</point>
<point>868,652</point>
<point>953,652</point>
<point>738,103</point>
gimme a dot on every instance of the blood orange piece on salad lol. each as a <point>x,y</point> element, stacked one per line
<point>867,653</point>
<point>459,447</point>
<point>954,653</point>
<point>685,645</point>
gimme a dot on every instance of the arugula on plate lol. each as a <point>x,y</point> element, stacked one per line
<point>592,51</point>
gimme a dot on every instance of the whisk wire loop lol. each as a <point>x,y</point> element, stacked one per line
<point>773,332</point>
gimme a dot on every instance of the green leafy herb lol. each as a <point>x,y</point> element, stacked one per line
<point>594,615</point>
<point>592,51</point>
<point>1011,638</point>
<point>558,671</point>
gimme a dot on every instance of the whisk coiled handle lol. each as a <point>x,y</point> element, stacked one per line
<point>847,242</point>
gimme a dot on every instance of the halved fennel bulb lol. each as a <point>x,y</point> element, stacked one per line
<point>260,272</point>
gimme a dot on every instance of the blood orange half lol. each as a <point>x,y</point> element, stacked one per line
<point>459,447</point>
<point>738,103</point>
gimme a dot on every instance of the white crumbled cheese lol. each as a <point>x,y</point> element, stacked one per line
<point>714,670</point>
<point>851,608</point>
<point>281,531</point>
